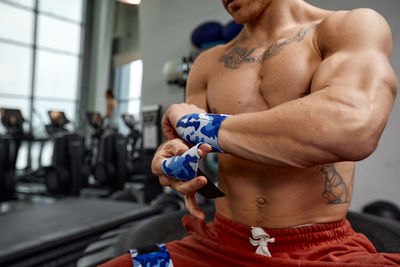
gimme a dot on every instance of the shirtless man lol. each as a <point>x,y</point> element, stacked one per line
<point>309,92</point>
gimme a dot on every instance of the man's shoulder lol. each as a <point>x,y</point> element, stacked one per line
<point>346,26</point>
<point>212,53</point>
<point>351,18</point>
<point>208,58</point>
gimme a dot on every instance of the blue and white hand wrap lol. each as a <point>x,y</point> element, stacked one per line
<point>201,128</point>
<point>183,167</point>
<point>156,255</point>
<point>197,129</point>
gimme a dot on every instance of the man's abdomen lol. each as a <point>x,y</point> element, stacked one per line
<point>257,195</point>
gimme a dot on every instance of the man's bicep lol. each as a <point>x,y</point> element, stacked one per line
<point>196,88</point>
<point>356,48</point>
<point>362,82</point>
<point>197,98</point>
<point>357,91</point>
<point>362,71</point>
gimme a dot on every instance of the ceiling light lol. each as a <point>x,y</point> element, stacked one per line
<point>130,2</point>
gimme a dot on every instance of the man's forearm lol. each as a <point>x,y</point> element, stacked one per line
<point>305,132</point>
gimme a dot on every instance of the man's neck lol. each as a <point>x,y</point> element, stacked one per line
<point>280,15</point>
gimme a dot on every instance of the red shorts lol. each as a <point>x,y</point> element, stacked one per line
<point>226,243</point>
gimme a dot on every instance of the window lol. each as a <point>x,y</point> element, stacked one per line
<point>26,3</point>
<point>71,9</point>
<point>16,55</point>
<point>39,68</point>
<point>15,70</point>
<point>63,81</point>
<point>57,58</point>
<point>58,35</point>
<point>129,87</point>
<point>16,23</point>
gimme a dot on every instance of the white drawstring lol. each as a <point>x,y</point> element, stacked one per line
<point>261,239</point>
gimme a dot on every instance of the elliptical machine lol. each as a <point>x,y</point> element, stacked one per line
<point>134,162</point>
<point>92,149</point>
<point>58,122</point>
<point>10,143</point>
<point>106,156</point>
<point>64,175</point>
<point>151,139</point>
<point>13,121</point>
<point>110,169</point>
<point>7,183</point>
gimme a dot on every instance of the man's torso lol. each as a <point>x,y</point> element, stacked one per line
<point>249,76</point>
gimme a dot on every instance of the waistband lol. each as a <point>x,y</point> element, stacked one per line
<point>289,239</point>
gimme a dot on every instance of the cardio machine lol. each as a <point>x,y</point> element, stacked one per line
<point>134,162</point>
<point>63,176</point>
<point>7,183</point>
<point>10,143</point>
<point>106,156</point>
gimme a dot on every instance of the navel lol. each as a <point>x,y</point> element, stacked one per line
<point>261,201</point>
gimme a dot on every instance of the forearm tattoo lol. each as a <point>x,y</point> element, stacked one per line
<point>335,189</point>
<point>237,55</point>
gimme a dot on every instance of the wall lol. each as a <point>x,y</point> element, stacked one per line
<point>126,31</point>
<point>165,28</point>
<point>114,42</point>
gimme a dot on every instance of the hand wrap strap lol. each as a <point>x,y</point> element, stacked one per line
<point>201,128</point>
<point>183,167</point>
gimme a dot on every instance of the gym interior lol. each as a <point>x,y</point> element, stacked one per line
<point>76,187</point>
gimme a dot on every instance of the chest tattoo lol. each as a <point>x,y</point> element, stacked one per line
<point>238,55</point>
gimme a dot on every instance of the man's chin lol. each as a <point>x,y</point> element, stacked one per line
<point>240,19</point>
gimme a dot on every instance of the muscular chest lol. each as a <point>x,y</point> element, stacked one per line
<point>249,80</point>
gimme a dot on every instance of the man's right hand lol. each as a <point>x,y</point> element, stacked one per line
<point>187,189</point>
